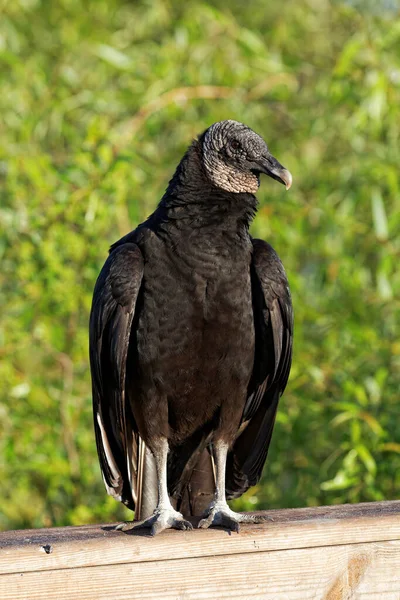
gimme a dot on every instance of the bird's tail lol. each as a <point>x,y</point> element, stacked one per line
<point>194,495</point>
<point>147,485</point>
<point>198,493</point>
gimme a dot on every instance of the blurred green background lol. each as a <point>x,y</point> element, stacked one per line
<point>98,102</point>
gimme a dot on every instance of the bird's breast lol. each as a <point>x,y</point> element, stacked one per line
<point>195,333</point>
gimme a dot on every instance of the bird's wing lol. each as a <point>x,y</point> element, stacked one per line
<point>111,318</point>
<point>273,322</point>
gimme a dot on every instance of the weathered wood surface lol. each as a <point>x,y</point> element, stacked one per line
<point>341,552</point>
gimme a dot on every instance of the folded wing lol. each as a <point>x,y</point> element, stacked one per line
<point>273,321</point>
<point>113,310</point>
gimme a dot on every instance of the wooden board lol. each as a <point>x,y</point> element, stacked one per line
<point>330,553</point>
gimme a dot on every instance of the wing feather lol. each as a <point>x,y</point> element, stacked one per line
<point>273,322</point>
<point>113,308</point>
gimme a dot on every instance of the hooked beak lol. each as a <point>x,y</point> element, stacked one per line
<point>271,167</point>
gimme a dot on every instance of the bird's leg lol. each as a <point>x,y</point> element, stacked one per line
<point>219,513</point>
<point>164,516</point>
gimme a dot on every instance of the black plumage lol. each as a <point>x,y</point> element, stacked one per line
<point>191,340</point>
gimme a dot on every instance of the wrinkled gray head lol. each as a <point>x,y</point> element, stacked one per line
<point>234,156</point>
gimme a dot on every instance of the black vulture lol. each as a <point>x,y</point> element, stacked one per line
<point>191,341</point>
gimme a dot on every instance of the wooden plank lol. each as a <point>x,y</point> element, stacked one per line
<point>27,551</point>
<point>342,572</point>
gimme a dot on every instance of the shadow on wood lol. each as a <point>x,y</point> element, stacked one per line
<point>327,553</point>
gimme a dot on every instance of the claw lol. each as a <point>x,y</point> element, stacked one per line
<point>124,526</point>
<point>166,518</point>
<point>219,514</point>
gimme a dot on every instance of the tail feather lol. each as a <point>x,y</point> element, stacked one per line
<point>147,485</point>
<point>195,495</point>
<point>199,491</point>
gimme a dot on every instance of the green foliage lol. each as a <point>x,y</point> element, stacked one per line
<point>99,101</point>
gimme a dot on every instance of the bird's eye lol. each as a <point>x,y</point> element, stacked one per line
<point>235,144</point>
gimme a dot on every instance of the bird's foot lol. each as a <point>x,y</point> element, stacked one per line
<point>162,518</point>
<point>219,514</point>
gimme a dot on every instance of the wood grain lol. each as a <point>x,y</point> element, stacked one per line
<point>368,571</point>
<point>328,553</point>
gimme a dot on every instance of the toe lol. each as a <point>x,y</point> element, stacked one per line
<point>205,523</point>
<point>244,518</point>
<point>183,525</point>
<point>125,526</point>
<point>158,527</point>
<point>228,523</point>
<point>262,519</point>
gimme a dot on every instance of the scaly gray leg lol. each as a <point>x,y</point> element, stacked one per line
<point>219,513</point>
<point>164,516</point>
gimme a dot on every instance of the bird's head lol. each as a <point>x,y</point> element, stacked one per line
<point>234,156</point>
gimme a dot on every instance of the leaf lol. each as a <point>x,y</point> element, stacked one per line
<point>21,390</point>
<point>384,287</point>
<point>113,57</point>
<point>341,481</point>
<point>379,216</point>
<point>341,418</point>
<point>390,447</point>
<point>373,424</point>
<point>348,54</point>
<point>367,458</point>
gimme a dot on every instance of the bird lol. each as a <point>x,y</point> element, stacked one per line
<point>190,338</point>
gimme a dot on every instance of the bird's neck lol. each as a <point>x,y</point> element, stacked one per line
<point>192,201</point>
